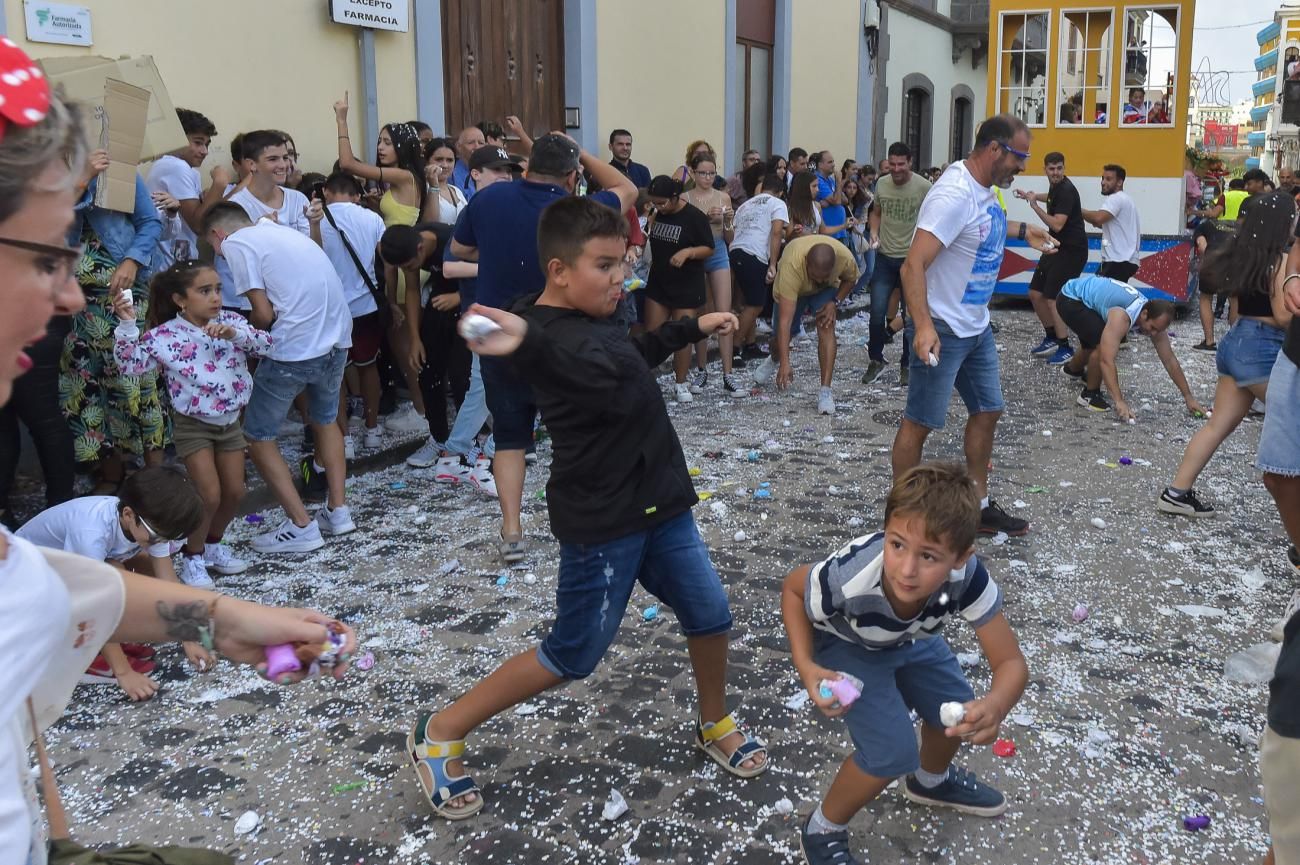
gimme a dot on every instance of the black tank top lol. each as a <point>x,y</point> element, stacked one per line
<point>1255,304</point>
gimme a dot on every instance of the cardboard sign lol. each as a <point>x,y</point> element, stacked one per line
<point>122,119</point>
<point>84,80</point>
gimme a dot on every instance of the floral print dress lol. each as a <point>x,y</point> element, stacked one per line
<point>106,409</point>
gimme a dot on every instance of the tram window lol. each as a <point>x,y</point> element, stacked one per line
<point>1150,66</point>
<point>1083,71</point>
<point>1022,70</point>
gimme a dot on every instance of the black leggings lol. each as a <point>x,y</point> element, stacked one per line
<point>446,367</point>
<point>35,402</point>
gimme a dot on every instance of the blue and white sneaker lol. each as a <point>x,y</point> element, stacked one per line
<point>961,791</point>
<point>825,848</point>
<point>1063,353</point>
<point>1044,348</point>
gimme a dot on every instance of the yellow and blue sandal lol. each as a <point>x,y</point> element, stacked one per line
<point>439,788</point>
<point>707,737</point>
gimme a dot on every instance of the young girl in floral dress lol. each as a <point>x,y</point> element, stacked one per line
<point>203,355</point>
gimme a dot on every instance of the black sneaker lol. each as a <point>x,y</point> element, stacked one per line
<point>1092,400</point>
<point>753,351</point>
<point>825,848</point>
<point>1206,346</point>
<point>730,389</point>
<point>313,482</point>
<point>904,376</point>
<point>1293,556</point>
<point>874,369</point>
<point>737,361</point>
<point>961,791</point>
<point>1185,505</point>
<point>993,520</point>
<point>1065,368</point>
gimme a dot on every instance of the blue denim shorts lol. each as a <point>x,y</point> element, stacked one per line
<point>277,383</point>
<point>510,400</point>
<point>807,304</point>
<point>1279,441</point>
<point>1248,350</point>
<point>969,363</point>
<point>922,675</point>
<point>719,260</point>
<point>669,560</point>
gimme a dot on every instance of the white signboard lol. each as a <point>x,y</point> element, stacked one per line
<point>57,22</point>
<point>376,14</point>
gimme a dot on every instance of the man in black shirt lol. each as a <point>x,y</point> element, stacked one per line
<point>1064,219</point>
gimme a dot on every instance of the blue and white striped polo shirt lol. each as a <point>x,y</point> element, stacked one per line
<point>845,597</point>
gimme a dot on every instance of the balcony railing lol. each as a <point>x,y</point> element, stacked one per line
<point>970,12</point>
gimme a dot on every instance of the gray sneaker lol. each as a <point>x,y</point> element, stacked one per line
<point>765,372</point>
<point>825,402</point>
<point>825,848</point>
<point>874,369</point>
<point>513,548</point>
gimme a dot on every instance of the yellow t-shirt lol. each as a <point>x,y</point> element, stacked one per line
<point>792,280</point>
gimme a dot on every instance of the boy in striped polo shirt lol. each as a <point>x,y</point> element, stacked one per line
<point>874,611</point>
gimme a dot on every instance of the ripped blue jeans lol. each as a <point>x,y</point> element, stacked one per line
<point>670,561</point>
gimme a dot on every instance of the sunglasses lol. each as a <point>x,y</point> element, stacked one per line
<point>1009,149</point>
<point>154,536</point>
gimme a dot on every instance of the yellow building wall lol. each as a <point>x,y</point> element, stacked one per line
<point>824,78</point>
<point>661,76</point>
<point>1144,151</point>
<point>248,66</point>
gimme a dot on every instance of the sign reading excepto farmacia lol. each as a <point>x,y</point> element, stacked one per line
<point>376,14</point>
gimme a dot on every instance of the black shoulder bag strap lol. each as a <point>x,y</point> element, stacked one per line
<point>356,260</point>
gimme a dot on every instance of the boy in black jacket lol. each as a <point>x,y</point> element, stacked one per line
<point>619,497</point>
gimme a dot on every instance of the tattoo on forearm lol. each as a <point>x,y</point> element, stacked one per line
<point>186,622</point>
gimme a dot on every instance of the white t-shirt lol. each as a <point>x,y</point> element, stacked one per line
<point>1121,237</point>
<point>363,228</point>
<point>753,224</point>
<point>311,314</point>
<point>181,181</point>
<point>88,526</point>
<point>292,211</point>
<point>972,226</point>
<point>229,299</point>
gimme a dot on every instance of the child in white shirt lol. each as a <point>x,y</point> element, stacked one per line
<point>153,512</point>
<point>203,354</point>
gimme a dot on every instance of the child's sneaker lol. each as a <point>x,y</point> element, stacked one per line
<point>961,790</point>
<point>825,848</point>
<point>194,572</point>
<point>481,477</point>
<point>426,456</point>
<point>335,521</point>
<point>288,538</point>
<point>219,558</point>
<point>451,469</point>
<point>349,448</point>
<point>373,440</point>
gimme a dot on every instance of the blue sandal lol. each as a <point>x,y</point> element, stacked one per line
<point>707,737</point>
<point>443,789</point>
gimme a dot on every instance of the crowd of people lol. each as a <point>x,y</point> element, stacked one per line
<point>163,347</point>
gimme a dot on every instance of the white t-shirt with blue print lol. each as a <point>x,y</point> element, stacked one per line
<point>972,226</point>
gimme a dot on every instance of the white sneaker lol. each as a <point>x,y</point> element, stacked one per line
<point>761,326</point>
<point>683,393</point>
<point>481,477</point>
<point>219,558</point>
<point>336,521</point>
<point>451,469</point>
<point>825,402</point>
<point>1292,607</point>
<point>374,439</point>
<point>195,573</point>
<point>765,372</point>
<point>426,456</point>
<point>349,448</point>
<point>288,538</point>
<point>405,420</point>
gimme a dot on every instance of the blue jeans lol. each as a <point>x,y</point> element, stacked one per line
<point>595,583</point>
<point>884,279</point>
<point>868,268</point>
<point>1279,441</point>
<point>922,675</point>
<point>277,383</point>
<point>969,363</point>
<point>471,417</point>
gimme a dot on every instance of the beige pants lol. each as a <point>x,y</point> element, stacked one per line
<point>1279,762</point>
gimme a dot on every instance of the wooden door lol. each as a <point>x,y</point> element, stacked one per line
<point>504,57</point>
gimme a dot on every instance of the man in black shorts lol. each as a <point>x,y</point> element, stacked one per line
<point>1064,220</point>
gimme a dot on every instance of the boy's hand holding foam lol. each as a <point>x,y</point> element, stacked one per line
<point>498,343</point>
<point>811,675</point>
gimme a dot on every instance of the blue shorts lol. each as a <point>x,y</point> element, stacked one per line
<point>1248,350</point>
<point>277,383</point>
<point>719,260</point>
<point>922,675</point>
<point>807,304</point>
<point>1279,442</point>
<point>510,401</point>
<point>969,363</point>
<point>595,582</point>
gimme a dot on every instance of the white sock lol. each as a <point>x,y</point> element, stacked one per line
<point>819,825</point>
<point>320,469</point>
<point>930,780</point>
<point>984,503</point>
